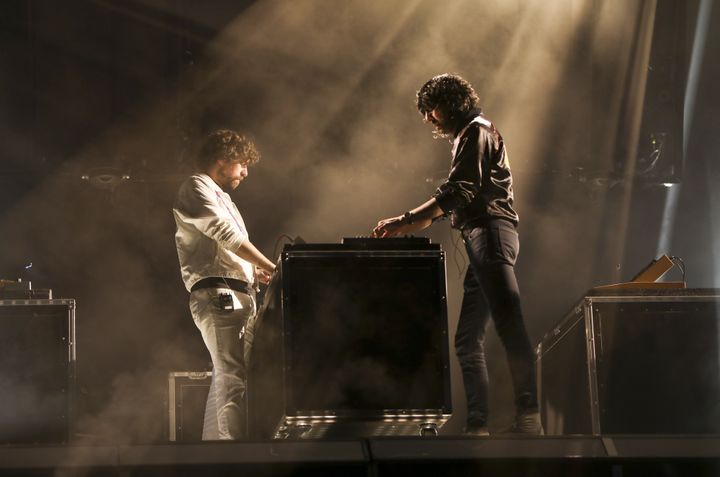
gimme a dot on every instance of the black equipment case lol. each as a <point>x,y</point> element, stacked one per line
<point>186,399</point>
<point>352,341</point>
<point>37,370</point>
<point>633,362</point>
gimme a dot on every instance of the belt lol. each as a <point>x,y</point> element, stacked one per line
<point>220,282</point>
<point>484,222</point>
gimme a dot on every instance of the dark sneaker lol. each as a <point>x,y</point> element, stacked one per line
<point>476,430</point>
<point>527,423</point>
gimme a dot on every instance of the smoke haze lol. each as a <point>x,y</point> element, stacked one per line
<point>327,90</point>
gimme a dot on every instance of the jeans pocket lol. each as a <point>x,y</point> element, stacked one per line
<point>211,301</point>
<point>207,300</point>
<point>508,243</point>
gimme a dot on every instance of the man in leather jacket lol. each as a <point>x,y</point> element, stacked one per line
<point>478,198</point>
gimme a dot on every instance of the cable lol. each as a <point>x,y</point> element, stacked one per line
<point>277,242</point>
<point>679,262</point>
<point>654,156</point>
<point>460,264</point>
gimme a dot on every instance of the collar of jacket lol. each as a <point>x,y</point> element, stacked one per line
<point>466,120</point>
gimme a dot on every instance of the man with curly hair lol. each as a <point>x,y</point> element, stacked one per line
<point>220,268</point>
<point>478,198</point>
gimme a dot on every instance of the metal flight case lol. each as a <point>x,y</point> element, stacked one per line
<point>639,361</point>
<point>352,341</point>
<point>37,370</point>
<point>187,397</point>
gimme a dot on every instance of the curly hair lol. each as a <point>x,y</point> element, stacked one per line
<point>227,145</point>
<point>454,95</point>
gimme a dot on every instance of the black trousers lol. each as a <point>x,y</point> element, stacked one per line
<point>491,291</point>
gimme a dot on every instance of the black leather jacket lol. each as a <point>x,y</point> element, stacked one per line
<point>479,186</point>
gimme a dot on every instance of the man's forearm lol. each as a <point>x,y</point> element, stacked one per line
<point>425,213</point>
<point>248,252</point>
<point>411,221</point>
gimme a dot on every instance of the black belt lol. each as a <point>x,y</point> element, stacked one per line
<point>468,226</point>
<point>220,282</point>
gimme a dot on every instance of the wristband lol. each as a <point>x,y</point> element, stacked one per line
<point>408,217</point>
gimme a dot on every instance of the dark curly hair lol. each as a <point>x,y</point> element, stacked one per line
<point>227,145</point>
<point>454,95</point>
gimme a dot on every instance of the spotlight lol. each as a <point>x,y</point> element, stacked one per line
<point>106,178</point>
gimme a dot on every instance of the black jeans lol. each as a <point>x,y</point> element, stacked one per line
<point>491,289</point>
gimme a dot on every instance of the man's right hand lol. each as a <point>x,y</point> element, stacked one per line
<point>391,227</point>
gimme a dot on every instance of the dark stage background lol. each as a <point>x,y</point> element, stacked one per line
<point>102,104</point>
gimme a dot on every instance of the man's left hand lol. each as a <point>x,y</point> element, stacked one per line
<point>263,275</point>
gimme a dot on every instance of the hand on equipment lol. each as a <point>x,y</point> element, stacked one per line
<point>263,275</point>
<point>391,227</point>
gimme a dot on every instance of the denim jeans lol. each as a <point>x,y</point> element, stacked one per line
<point>228,335</point>
<point>491,290</point>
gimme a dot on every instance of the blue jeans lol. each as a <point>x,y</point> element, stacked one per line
<point>491,290</point>
<point>228,335</point>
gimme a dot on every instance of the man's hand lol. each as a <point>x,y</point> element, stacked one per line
<point>263,275</point>
<point>392,227</point>
<point>412,221</point>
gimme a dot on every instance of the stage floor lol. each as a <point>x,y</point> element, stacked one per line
<point>522,456</point>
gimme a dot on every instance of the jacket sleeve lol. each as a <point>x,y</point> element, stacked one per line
<point>463,182</point>
<point>202,207</point>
